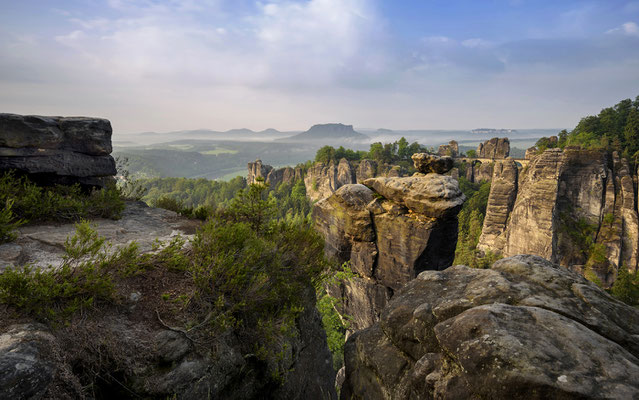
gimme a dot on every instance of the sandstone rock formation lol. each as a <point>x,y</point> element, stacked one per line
<point>564,201</point>
<point>524,329</point>
<point>494,148</point>
<point>322,180</point>
<point>256,170</point>
<point>451,149</point>
<point>531,153</point>
<point>272,176</point>
<point>426,163</point>
<point>57,149</point>
<point>503,191</point>
<point>389,230</point>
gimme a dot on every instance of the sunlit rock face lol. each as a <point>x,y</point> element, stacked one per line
<point>560,202</point>
<point>523,329</point>
<point>495,148</point>
<point>388,229</point>
<point>57,149</point>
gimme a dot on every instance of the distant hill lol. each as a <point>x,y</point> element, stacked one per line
<point>329,133</point>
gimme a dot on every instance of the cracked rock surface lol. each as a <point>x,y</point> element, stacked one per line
<point>523,329</point>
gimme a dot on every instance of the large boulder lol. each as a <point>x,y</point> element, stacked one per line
<point>523,329</point>
<point>57,149</point>
<point>432,195</point>
<point>427,163</point>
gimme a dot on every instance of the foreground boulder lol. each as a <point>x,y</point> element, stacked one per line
<point>57,149</point>
<point>524,329</point>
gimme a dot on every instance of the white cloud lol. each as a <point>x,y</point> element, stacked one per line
<point>628,28</point>
<point>475,43</point>
<point>285,43</point>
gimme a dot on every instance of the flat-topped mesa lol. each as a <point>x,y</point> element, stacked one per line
<point>57,149</point>
<point>494,148</point>
<point>389,230</point>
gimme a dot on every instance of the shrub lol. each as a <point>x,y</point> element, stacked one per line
<point>8,222</point>
<point>33,203</point>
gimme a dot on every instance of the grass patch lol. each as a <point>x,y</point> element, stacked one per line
<point>218,150</point>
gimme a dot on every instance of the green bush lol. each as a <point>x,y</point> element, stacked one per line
<point>8,222</point>
<point>33,203</point>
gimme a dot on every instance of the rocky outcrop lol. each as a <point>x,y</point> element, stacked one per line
<point>503,191</point>
<point>274,177</point>
<point>523,329</point>
<point>531,153</point>
<point>365,170</point>
<point>566,201</point>
<point>451,149</point>
<point>322,180</point>
<point>131,350</point>
<point>494,148</point>
<point>63,150</point>
<point>389,230</point>
<point>256,170</point>
<point>427,163</point>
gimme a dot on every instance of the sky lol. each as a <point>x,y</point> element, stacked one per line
<point>165,65</point>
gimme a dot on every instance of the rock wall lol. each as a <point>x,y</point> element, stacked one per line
<point>565,201</point>
<point>63,150</point>
<point>389,229</point>
<point>523,329</point>
<point>494,148</point>
<point>322,179</point>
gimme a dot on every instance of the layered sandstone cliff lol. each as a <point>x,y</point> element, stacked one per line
<point>389,229</point>
<point>574,207</point>
<point>57,149</point>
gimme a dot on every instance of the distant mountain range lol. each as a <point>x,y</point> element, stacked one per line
<point>329,133</point>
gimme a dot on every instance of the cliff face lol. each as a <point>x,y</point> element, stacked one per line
<point>523,329</point>
<point>494,148</point>
<point>573,207</point>
<point>57,149</point>
<point>389,229</point>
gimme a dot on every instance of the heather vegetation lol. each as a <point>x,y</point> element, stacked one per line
<point>247,271</point>
<point>25,202</point>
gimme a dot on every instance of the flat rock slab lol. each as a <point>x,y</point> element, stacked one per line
<point>43,245</point>
<point>432,195</point>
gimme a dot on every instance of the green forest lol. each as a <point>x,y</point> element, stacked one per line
<point>614,128</point>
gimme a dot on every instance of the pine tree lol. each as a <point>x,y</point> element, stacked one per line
<point>631,131</point>
<point>623,287</point>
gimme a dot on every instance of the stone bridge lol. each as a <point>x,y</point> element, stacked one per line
<point>521,161</point>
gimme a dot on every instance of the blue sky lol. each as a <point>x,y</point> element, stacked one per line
<point>433,64</point>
